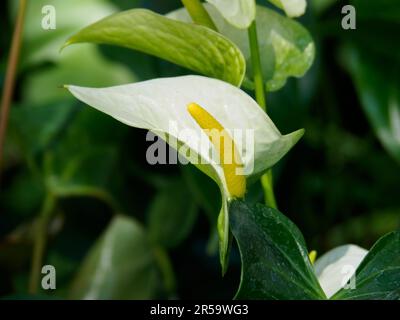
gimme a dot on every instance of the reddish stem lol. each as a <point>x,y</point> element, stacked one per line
<point>9,82</point>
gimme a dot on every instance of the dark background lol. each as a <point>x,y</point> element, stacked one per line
<point>339,184</point>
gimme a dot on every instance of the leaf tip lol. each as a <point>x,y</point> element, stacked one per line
<point>66,44</point>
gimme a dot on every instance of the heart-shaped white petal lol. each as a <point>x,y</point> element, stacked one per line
<point>240,13</point>
<point>158,103</point>
<point>337,266</point>
<point>292,8</point>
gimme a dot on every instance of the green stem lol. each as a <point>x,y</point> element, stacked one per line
<point>268,186</point>
<point>39,245</point>
<point>256,64</point>
<point>199,14</point>
<point>259,86</point>
<point>9,82</point>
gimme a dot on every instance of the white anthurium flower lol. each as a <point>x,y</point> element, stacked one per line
<point>292,8</point>
<point>336,267</point>
<point>180,109</point>
<point>240,13</point>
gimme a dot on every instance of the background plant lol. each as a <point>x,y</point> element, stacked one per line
<point>339,185</point>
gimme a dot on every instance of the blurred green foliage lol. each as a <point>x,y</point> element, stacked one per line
<point>339,185</point>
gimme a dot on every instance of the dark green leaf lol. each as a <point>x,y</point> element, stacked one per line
<point>379,90</point>
<point>275,262</point>
<point>378,275</point>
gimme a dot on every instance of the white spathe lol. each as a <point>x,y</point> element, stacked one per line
<point>337,266</point>
<point>240,13</point>
<point>292,8</point>
<point>155,104</point>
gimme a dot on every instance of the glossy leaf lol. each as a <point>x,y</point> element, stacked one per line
<point>287,49</point>
<point>378,275</point>
<point>192,46</point>
<point>121,265</point>
<point>275,262</point>
<point>172,215</point>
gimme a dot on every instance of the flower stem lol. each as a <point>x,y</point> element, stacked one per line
<point>40,241</point>
<point>9,82</point>
<point>259,85</point>
<point>268,186</point>
<point>199,14</point>
<point>256,64</point>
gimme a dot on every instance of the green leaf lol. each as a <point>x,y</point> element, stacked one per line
<point>287,49</point>
<point>275,262</point>
<point>378,275</point>
<point>121,265</point>
<point>192,46</point>
<point>239,13</point>
<point>378,88</point>
<point>172,215</point>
